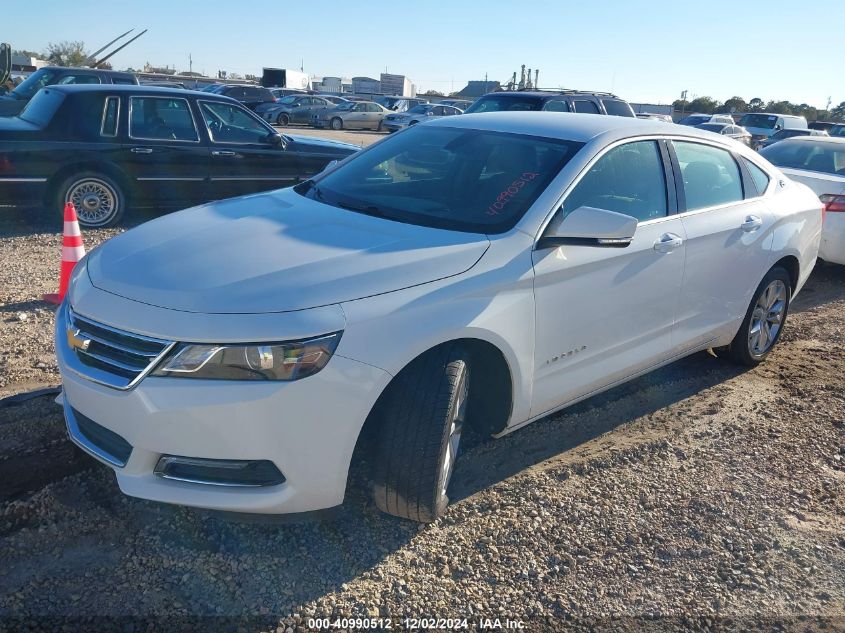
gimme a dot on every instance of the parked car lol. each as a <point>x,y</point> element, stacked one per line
<point>164,84</point>
<point>13,102</point>
<point>281,93</point>
<point>228,357</point>
<point>461,104</point>
<point>763,124</point>
<point>784,134</point>
<point>295,109</point>
<point>666,118</point>
<point>424,112</point>
<point>837,130</point>
<point>251,96</point>
<point>699,119</point>
<point>552,101</point>
<point>728,129</point>
<point>357,115</point>
<point>106,147</point>
<point>819,163</point>
<point>334,99</point>
<point>822,125</point>
<point>399,104</point>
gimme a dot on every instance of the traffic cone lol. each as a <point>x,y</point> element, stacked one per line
<point>72,252</point>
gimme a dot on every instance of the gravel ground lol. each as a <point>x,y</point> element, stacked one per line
<point>699,492</point>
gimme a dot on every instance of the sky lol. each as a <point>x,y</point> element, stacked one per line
<point>646,52</point>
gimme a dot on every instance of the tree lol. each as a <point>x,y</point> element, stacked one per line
<point>249,77</point>
<point>755,105</point>
<point>838,113</point>
<point>703,104</point>
<point>734,104</point>
<point>779,107</point>
<point>432,93</point>
<point>66,53</point>
<point>26,53</point>
<point>682,105</point>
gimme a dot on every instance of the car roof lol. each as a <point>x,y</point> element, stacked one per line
<point>139,90</point>
<point>837,140</point>
<point>105,71</point>
<point>569,126</point>
<point>549,93</point>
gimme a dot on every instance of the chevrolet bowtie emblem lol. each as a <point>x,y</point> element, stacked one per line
<point>76,341</point>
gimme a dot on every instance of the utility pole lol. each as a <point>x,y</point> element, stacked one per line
<point>190,64</point>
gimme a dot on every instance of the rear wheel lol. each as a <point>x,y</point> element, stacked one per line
<point>423,419</point>
<point>764,320</point>
<point>337,123</point>
<point>282,119</point>
<point>98,199</point>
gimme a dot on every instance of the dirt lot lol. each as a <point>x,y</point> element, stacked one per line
<point>701,492</point>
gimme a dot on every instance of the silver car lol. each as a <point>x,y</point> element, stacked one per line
<point>358,115</point>
<point>417,114</point>
<point>726,129</point>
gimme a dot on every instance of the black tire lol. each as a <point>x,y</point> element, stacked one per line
<point>112,198</point>
<point>410,477</point>
<point>283,119</point>
<point>741,350</point>
<point>336,123</point>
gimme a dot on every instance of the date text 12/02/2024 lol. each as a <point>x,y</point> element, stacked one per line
<point>411,624</point>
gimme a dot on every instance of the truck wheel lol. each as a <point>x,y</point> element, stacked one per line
<point>98,199</point>
<point>423,419</point>
<point>337,123</point>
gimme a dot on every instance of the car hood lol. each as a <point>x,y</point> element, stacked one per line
<point>274,252</point>
<point>321,143</point>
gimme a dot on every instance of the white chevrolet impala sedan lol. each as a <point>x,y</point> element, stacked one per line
<point>476,271</point>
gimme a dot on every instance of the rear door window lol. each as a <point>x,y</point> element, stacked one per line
<point>585,107</point>
<point>710,174</point>
<point>628,179</point>
<point>614,107</point>
<point>111,108</point>
<point>556,105</point>
<point>161,118</point>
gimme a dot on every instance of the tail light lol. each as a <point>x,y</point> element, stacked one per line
<point>833,203</point>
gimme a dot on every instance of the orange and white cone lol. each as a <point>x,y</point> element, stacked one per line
<point>72,252</point>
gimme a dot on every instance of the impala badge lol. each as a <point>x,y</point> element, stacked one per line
<point>76,341</point>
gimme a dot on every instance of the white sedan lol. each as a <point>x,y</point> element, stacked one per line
<point>481,270</point>
<point>819,163</point>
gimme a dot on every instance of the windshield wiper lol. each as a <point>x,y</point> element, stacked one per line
<point>365,209</point>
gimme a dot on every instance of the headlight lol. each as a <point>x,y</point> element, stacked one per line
<point>290,360</point>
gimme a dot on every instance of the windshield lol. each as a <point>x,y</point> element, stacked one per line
<point>695,119</point>
<point>765,121</point>
<point>465,180</point>
<point>42,107</point>
<point>501,103</point>
<point>419,109</point>
<point>35,82</point>
<point>837,130</point>
<point>828,158</point>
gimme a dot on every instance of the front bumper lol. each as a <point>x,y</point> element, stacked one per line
<point>393,126</point>
<point>307,428</point>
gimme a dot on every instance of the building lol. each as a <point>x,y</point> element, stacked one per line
<point>398,85</point>
<point>24,64</point>
<point>475,89</point>
<point>331,85</point>
<point>366,85</point>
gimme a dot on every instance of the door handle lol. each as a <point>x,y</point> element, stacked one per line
<point>141,150</point>
<point>667,243</point>
<point>752,223</point>
<point>223,152</point>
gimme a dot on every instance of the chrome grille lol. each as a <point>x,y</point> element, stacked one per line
<point>112,357</point>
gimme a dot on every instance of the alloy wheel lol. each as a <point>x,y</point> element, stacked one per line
<point>767,318</point>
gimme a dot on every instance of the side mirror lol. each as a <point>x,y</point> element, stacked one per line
<point>276,140</point>
<point>589,226</point>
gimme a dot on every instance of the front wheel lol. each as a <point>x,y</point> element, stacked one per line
<point>98,199</point>
<point>337,123</point>
<point>423,419</point>
<point>764,320</point>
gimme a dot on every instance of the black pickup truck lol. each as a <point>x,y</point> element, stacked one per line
<point>106,147</point>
